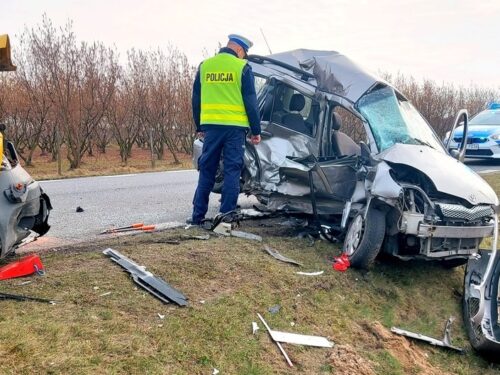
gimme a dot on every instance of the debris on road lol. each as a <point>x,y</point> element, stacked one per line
<point>113,230</point>
<point>310,273</point>
<point>145,279</point>
<point>280,257</point>
<point>79,209</point>
<point>26,266</point>
<point>445,342</point>
<point>17,297</point>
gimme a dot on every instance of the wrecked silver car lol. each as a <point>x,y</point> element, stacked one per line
<point>345,146</point>
<point>24,207</point>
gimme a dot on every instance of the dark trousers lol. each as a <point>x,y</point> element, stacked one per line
<point>231,143</point>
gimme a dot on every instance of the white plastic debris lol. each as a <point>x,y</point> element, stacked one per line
<point>255,327</point>
<point>311,273</point>
<point>161,316</point>
<point>215,372</point>
<point>104,294</point>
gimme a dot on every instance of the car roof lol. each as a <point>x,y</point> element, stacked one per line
<point>329,71</point>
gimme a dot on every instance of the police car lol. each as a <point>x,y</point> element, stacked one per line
<point>483,138</point>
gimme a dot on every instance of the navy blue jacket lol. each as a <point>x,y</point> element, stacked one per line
<point>247,92</point>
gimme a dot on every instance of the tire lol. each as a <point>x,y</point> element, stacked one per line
<point>364,238</point>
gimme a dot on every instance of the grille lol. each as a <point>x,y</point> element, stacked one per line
<point>456,211</point>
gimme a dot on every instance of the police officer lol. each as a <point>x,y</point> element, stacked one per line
<point>224,109</point>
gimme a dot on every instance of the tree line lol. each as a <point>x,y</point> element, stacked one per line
<point>81,95</point>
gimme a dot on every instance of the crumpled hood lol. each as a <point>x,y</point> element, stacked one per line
<point>448,174</point>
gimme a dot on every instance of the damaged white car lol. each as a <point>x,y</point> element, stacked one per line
<point>345,146</point>
<point>24,207</point>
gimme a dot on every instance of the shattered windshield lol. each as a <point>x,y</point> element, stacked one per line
<point>394,120</point>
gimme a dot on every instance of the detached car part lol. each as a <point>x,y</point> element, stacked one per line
<point>445,342</point>
<point>146,280</point>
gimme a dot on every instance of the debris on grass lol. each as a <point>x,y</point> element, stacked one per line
<point>444,343</point>
<point>145,279</point>
<point>310,273</point>
<point>341,263</point>
<point>274,309</point>
<point>104,294</point>
<point>255,328</point>
<point>25,266</point>
<point>278,256</point>
<point>280,347</point>
<point>161,316</point>
<point>17,297</point>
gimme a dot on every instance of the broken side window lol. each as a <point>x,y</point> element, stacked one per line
<point>294,110</point>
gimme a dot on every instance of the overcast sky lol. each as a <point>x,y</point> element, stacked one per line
<point>455,41</point>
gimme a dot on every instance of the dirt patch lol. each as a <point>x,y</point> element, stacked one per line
<point>346,361</point>
<point>410,356</point>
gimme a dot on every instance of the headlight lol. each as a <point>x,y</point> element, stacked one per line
<point>495,137</point>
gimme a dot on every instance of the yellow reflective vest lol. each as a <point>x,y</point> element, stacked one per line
<point>221,99</point>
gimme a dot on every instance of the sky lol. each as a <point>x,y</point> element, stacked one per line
<point>452,41</point>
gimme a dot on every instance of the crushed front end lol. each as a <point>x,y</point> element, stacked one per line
<point>24,206</point>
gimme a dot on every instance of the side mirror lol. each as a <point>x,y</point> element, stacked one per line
<point>461,119</point>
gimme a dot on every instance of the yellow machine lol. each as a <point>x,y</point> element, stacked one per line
<point>5,66</point>
<point>5,61</point>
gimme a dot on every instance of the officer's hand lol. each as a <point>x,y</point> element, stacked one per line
<point>255,139</point>
<point>200,135</point>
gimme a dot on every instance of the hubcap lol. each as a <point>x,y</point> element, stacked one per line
<point>354,235</point>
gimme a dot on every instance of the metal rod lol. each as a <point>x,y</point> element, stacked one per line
<point>277,343</point>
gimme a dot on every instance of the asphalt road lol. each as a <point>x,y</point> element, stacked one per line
<point>483,166</point>
<point>113,201</point>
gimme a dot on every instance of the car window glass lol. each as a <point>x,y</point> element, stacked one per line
<point>394,120</point>
<point>490,117</point>
<point>351,125</point>
<point>294,110</point>
<point>260,83</point>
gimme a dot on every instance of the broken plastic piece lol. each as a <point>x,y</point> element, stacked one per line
<point>310,273</point>
<point>280,257</point>
<point>255,328</point>
<point>341,263</point>
<point>145,279</point>
<point>308,340</point>
<point>445,342</point>
<point>24,267</point>
<point>223,228</point>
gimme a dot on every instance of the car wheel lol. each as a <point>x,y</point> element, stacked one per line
<point>364,238</point>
